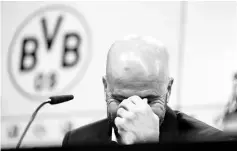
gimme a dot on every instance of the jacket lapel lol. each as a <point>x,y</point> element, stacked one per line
<point>169,127</point>
<point>105,132</point>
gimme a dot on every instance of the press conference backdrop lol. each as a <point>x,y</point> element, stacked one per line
<point>56,48</point>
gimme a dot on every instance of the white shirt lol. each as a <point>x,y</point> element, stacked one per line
<point>114,138</point>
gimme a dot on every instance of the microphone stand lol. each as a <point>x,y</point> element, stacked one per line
<point>31,120</point>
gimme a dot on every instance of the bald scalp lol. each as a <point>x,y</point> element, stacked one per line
<point>137,59</point>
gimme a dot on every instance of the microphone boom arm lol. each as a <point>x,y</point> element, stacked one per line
<point>31,120</point>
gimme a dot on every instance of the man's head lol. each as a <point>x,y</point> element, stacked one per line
<point>137,66</point>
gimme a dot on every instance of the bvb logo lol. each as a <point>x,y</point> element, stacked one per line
<point>50,52</point>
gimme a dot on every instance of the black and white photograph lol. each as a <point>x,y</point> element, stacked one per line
<point>118,73</point>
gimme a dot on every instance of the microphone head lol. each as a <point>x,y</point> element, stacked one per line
<point>60,99</point>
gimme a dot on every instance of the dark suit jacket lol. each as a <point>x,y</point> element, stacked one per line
<point>176,127</point>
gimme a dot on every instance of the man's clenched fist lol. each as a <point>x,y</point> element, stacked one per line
<point>136,122</point>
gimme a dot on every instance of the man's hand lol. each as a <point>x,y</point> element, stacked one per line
<point>136,122</point>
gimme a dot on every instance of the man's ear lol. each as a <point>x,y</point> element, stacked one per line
<point>104,82</point>
<point>171,80</point>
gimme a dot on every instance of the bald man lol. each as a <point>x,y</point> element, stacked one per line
<point>137,87</point>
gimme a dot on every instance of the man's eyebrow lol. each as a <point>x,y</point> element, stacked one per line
<point>147,96</point>
<point>150,96</point>
<point>118,96</point>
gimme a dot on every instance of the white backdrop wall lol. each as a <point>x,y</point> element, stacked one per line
<point>209,52</point>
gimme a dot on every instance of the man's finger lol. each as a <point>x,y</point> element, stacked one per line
<point>119,122</point>
<point>127,105</point>
<point>121,112</point>
<point>127,115</point>
<point>135,99</point>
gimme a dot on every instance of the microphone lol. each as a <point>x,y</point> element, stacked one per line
<point>60,99</point>
<point>52,100</point>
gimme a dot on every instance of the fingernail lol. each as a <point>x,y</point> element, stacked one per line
<point>145,99</point>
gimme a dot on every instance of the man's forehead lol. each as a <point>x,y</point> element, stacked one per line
<point>141,87</point>
<point>128,93</point>
<point>137,75</point>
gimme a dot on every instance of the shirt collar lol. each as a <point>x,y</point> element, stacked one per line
<point>114,138</point>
